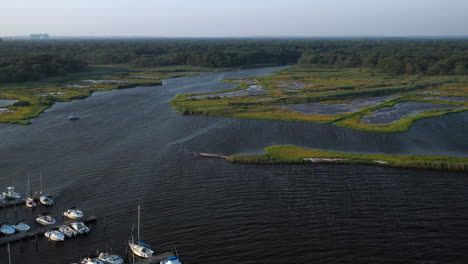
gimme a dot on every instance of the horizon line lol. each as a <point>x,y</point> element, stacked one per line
<point>240,36</point>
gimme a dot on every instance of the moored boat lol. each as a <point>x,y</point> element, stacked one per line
<point>54,235</point>
<point>29,200</point>
<point>7,229</point>
<point>68,231</point>
<point>91,261</point>
<point>21,226</point>
<point>46,200</point>
<point>73,213</point>
<point>80,227</point>
<point>171,260</point>
<point>45,219</point>
<point>140,248</point>
<point>11,194</point>
<point>110,258</point>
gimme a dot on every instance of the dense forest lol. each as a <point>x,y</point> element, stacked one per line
<point>23,60</point>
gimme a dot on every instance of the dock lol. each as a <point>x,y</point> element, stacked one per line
<point>41,230</point>
<point>155,259</point>
<point>9,203</point>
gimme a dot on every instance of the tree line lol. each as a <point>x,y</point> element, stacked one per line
<point>22,60</point>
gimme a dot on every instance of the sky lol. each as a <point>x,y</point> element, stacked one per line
<point>234,18</point>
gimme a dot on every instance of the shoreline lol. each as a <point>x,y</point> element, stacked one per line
<point>304,156</point>
<point>330,87</point>
<point>39,96</point>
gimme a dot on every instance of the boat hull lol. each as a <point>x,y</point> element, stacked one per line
<point>141,251</point>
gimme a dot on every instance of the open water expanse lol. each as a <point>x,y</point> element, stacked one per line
<point>131,148</point>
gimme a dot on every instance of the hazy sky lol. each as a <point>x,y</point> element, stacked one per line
<point>234,17</point>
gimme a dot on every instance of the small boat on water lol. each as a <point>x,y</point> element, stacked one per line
<point>11,194</point>
<point>7,229</point>
<point>21,226</point>
<point>91,261</point>
<point>54,235</point>
<point>74,116</point>
<point>110,258</point>
<point>2,198</point>
<point>171,260</point>
<point>68,231</point>
<point>80,227</point>
<point>73,213</point>
<point>45,219</point>
<point>140,248</point>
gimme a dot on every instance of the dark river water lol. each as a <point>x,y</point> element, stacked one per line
<point>131,148</point>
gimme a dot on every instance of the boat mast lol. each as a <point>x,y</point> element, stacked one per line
<point>138,232</point>
<point>28,187</point>
<point>40,179</point>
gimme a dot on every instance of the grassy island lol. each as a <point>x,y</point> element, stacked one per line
<point>357,98</point>
<point>298,155</point>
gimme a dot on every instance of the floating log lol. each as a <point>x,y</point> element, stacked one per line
<point>41,230</point>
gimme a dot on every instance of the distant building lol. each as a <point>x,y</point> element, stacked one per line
<point>39,36</point>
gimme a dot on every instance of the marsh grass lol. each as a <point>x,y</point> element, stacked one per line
<point>44,93</point>
<point>329,85</point>
<point>296,155</point>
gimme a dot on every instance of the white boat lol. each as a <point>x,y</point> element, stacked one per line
<point>7,229</point>
<point>45,219</point>
<point>80,227</point>
<point>21,226</point>
<point>140,248</point>
<point>44,199</point>
<point>11,194</point>
<point>54,235</point>
<point>73,213</point>
<point>91,261</point>
<point>30,201</point>
<point>171,260</point>
<point>74,116</point>
<point>110,258</point>
<point>68,231</point>
<point>2,198</point>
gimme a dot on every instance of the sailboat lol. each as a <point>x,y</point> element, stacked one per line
<point>110,258</point>
<point>140,248</point>
<point>29,200</point>
<point>44,199</point>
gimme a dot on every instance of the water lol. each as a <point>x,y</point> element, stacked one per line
<point>131,148</point>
